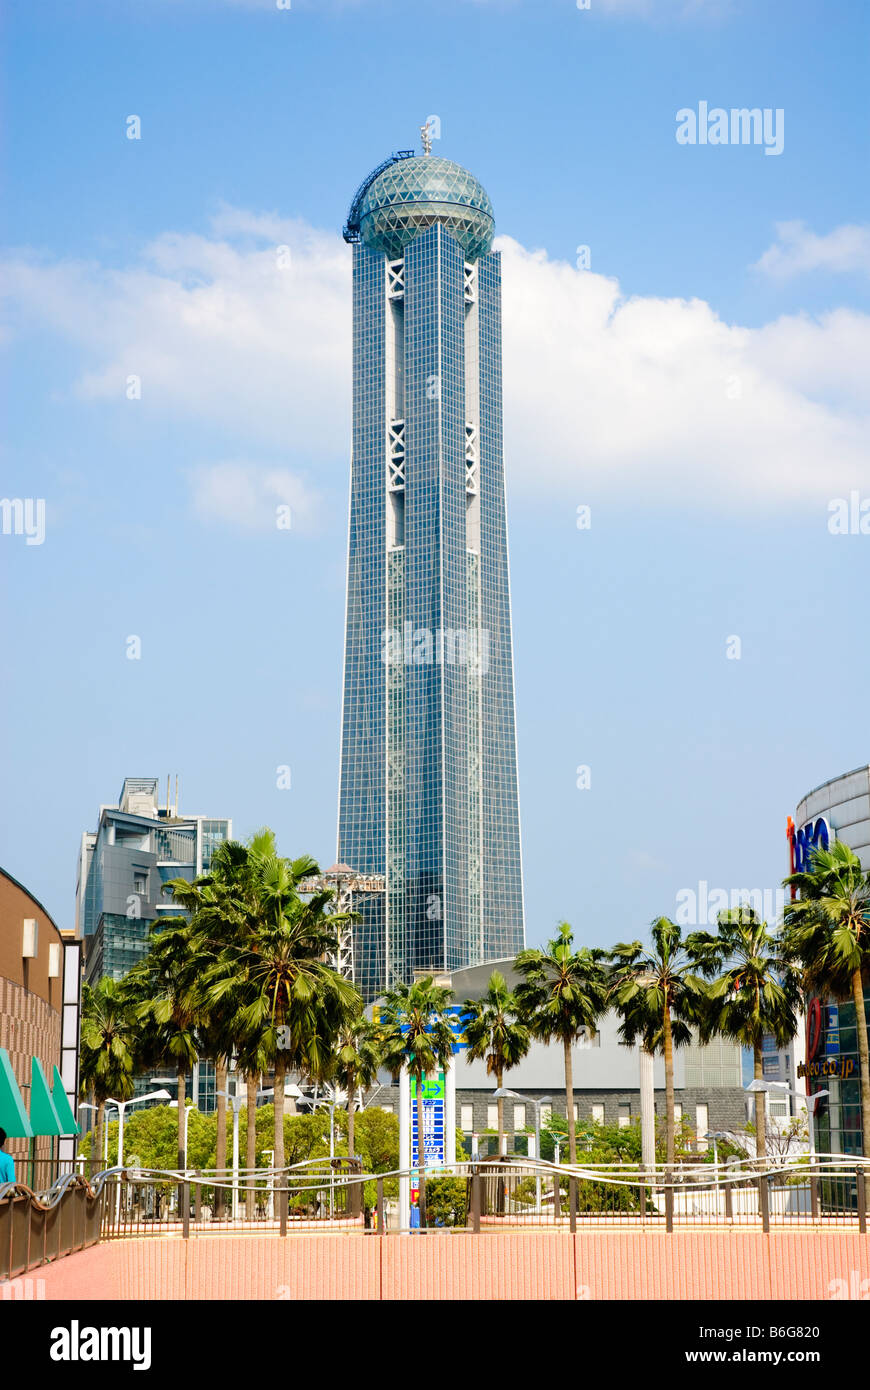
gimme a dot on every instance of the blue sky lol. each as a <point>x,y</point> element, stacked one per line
<point>702,386</point>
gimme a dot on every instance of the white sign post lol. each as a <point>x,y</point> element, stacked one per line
<point>404,1149</point>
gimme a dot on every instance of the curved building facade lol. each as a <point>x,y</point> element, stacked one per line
<point>39,1000</point>
<point>837,810</point>
<point>428,788</point>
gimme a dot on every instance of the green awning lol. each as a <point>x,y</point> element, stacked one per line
<point>43,1116</point>
<point>13,1116</point>
<point>62,1105</point>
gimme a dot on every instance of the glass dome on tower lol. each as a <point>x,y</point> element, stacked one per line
<point>412,194</point>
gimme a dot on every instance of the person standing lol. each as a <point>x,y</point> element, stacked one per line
<point>7,1166</point>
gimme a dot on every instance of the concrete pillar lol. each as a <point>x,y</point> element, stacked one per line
<point>404,1148</point>
<point>647,1108</point>
<point>450,1112</point>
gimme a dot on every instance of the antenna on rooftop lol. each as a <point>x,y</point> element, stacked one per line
<point>426,136</point>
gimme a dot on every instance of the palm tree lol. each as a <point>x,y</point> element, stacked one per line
<point>659,994</point>
<point>289,1002</point>
<point>416,1034</point>
<point>826,930</point>
<point>562,995</point>
<point>164,988</point>
<point>357,1058</point>
<point>758,993</point>
<point>495,1033</point>
<point>107,1050</point>
<point>215,904</point>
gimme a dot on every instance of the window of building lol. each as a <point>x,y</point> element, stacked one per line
<point>466,1118</point>
<point>576,1112</point>
<point>546,1115</point>
<point>702,1125</point>
<point>597,1114</point>
<point>624,1115</point>
<point>678,1113</point>
<point>519,1117</point>
<point>492,1117</point>
<point>770,1066</point>
<point>140,882</point>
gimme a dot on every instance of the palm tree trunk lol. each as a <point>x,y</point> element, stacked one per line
<point>760,1108</point>
<point>280,1068</point>
<point>252,1082</point>
<point>182,1098</point>
<point>569,1101</point>
<point>863,1057</point>
<point>220,1073</point>
<point>421,1151</point>
<point>669,1086</point>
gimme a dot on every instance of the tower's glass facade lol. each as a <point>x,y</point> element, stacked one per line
<point>428,792</point>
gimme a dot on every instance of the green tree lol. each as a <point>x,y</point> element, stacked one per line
<point>447,1201</point>
<point>562,995</point>
<point>163,989</point>
<point>659,994</point>
<point>497,1035</point>
<point>288,1000</point>
<point>757,993</point>
<point>826,931</point>
<point>107,1050</point>
<point>416,1033</point>
<point>216,904</point>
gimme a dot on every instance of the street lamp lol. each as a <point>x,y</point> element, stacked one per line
<point>173,1105</point>
<point>86,1105</point>
<point>814,1096</point>
<point>502,1093</point>
<point>122,1107</point>
<point>715,1135</point>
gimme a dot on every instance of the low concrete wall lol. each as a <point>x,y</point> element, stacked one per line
<point>592,1265</point>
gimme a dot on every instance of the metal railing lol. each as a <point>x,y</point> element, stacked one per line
<point>39,1227</point>
<point>827,1192</point>
<point>489,1194</point>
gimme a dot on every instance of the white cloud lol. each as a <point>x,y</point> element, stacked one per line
<point>248,495</point>
<point>604,394</point>
<point>663,397</point>
<point>798,250</point>
<point>220,328</point>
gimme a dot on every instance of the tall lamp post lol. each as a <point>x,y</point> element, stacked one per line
<point>86,1105</point>
<point>715,1135</point>
<point>173,1105</point>
<point>122,1108</point>
<point>502,1093</point>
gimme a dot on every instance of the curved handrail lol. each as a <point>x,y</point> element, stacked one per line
<point>682,1176</point>
<point>49,1198</point>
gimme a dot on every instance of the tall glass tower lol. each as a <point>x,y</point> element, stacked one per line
<point>428,788</point>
